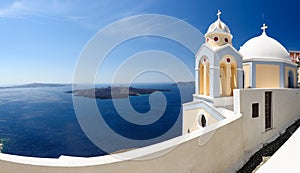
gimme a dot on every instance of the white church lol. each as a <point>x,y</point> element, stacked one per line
<point>253,91</point>
<point>262,62</point>
<point>243,100</point>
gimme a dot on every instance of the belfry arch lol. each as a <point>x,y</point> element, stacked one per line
<point>204,78</point>
<point>228,76</point>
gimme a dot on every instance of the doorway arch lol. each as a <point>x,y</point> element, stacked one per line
<point>228,76</point>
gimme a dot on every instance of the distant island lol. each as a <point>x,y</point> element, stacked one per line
<point>184,83</point>
<point>35,85</point>
<point>118,92</point>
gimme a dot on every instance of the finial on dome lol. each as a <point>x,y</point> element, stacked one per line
<point>264,27</point>
<point>219,14</point>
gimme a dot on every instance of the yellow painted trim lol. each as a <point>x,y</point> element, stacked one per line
<point>267,76</point>
<point>246,69</point>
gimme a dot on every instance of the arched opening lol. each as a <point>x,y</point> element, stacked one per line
<point>203,121</point>
<point>201,78</point>
<point>204,81</point>
<point>291,79</point>
<point>228,76</point>
<point>233,80</point>
<point>207,80</point>
<point>222,78</point>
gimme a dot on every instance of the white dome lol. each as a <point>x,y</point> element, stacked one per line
<point>264,48</point>
<point>218,26</point>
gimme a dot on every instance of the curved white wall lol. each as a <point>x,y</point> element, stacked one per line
<point>200,151</point>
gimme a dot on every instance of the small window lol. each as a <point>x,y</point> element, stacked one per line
<point>255,110</point>
<point>216,38</point>
<point>268,110</point>
<point>226,40</point>
<point>203,121</point>
<point>228,60</point>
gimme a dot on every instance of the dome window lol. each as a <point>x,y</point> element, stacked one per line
<point>207,39</point>
<point>216,38</point>
<point>226,40</point>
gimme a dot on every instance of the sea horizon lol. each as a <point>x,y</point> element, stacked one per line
<point>41,121</point>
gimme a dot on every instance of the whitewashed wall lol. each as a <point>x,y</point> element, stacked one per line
<point>285,110</point>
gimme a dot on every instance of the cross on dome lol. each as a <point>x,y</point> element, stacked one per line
<point>218,27</point>
<point>264,27</point>
<point>219,14</point>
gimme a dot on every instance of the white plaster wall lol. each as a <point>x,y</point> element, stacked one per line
<point>224,102</point>
<point>213,149</point>
<point>285,110</point>
<point>191,119</point>
<point>191,112</point>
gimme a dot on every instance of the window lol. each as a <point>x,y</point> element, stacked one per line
<point>216,38</point>
<point>203,121</point>
<point>268,110</point>
<point>255,110</point>
<point>228,60</point>
<point>226,40</point>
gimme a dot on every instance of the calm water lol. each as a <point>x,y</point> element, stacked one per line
<point>41,122</point>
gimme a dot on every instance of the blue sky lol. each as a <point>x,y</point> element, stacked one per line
<point>40,41</point>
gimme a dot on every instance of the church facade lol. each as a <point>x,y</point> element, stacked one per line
<point>253,92</point>
<point>261,63</point>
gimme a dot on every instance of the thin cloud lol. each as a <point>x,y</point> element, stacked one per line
<point>91,14</point>
<point>40,11</point>
<point>14,10</point>
<point>157,25</point>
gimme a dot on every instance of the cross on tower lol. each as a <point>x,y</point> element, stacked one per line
<point>219,14</point>
<point>264,27</point>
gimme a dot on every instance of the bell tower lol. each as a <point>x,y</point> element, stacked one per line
<point>218,68</point>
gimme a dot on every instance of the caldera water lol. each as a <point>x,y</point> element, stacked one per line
<point>41,122</point>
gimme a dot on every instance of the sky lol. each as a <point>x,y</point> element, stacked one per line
<point>41,41</point>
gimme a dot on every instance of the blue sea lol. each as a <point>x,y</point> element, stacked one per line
<point>41,122</point>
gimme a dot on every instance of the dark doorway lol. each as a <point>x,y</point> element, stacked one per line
<point>291,80</point>
<point>268,110</point>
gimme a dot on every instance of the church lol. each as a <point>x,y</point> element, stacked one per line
<point>262,62</point>
<point>243,100</point>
